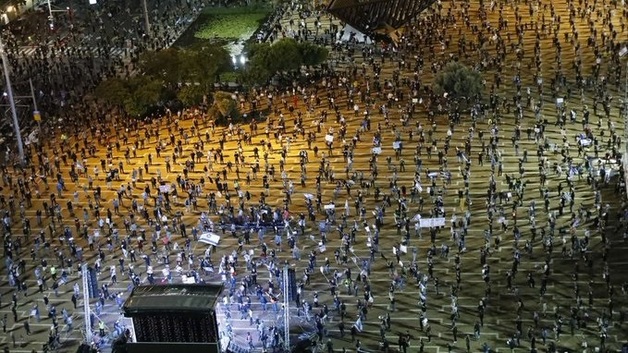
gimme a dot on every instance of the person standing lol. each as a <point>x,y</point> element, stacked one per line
<point>249,341</point>
<point>341,328</point>
<point>14,311</point>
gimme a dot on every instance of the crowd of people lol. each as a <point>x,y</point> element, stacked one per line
<point>69,56</point>
<point>317,175</point>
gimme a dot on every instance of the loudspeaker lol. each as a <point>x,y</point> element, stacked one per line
<point>92,283</point>
<point>292,285</point>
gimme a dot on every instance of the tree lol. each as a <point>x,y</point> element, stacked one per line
<point>177,69</point>
<point>199,64</point>
<point>135,95</point>
<point>203,63</point>
<point>312,54</point>
<point>285,55</point>
<point>258,70</point>
<point>165,64</point>
<point>459,82</point>
<point>191,94</point>
<point>145,92</point>
<point>113,91</point>
<point>224,108</point>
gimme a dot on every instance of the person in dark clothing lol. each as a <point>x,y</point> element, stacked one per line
<point>354,332</point>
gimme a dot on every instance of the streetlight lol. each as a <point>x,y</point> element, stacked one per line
<point>238,60</point>
<point>623,53</point>
<point>51,17</point>
<point>16,124</point>
<point>146,18</point>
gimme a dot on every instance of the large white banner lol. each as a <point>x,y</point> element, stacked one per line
<point>432,222</point>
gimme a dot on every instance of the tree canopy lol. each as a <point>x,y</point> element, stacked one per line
<point>199,64</point>
<point>135,95</point>
<point>285,55</point>
<point>113,91</point>
<point>224,108</point>
<point>458,81</point>
<point>145,92</point>
<point>187,74</point>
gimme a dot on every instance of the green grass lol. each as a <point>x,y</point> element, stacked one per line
<point>237,23</point>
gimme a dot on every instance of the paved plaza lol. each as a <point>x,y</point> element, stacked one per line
<point>557,274</point>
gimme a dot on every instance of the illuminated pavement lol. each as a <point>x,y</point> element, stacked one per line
<point>500,316</point>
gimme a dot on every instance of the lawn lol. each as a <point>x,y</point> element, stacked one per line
<point>238,23</point>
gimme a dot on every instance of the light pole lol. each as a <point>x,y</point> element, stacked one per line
<point>86,311</point>
<point>626,109</point>
<point>146,18</point>
<point>623,53</point>
<point>51,17</point>
<point>16,125</point>
<point>286,309</point>
<point>36,113</point>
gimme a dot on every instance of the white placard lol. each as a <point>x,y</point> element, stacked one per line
<point>396,145</point>
<point>330,207</point>
<point>432,222</point>
<point>585,142</point>
<point>164,189</point>
<point>377,150</point>
<point>188,279</point>
<point>329,138</point>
